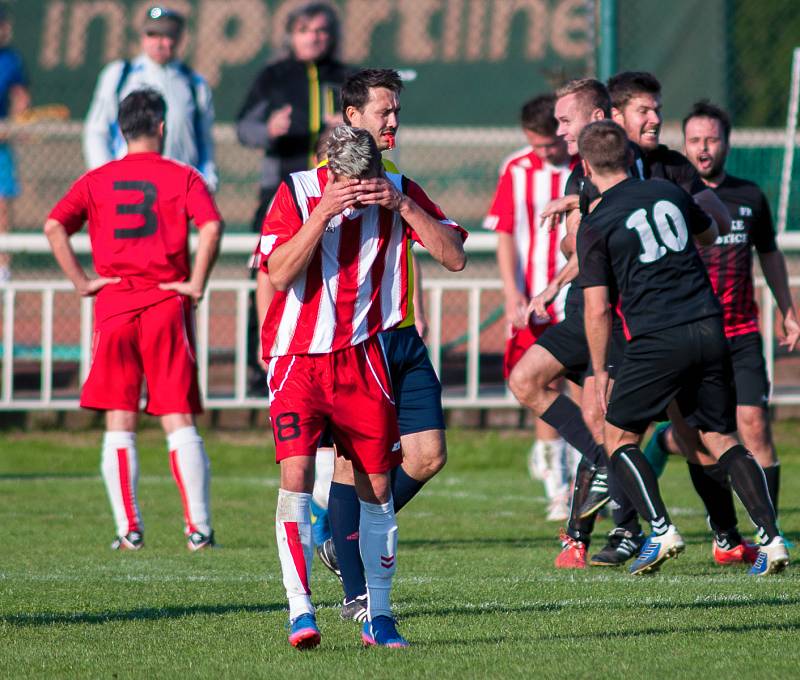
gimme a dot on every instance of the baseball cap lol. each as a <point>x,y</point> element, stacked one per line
<point>163,21</point>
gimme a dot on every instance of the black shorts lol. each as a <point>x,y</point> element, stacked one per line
<point>566,341</point>
<point>749,370</point>
<point>690,363</point>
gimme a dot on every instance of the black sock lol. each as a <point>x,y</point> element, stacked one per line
<point>625,516</point>
<point>344,512</point>
<point>773,475</point>
<point>565,416</point>
<point>404,487</point>
<point>623,512</point>
<point>727,540</point>
<point>577,528</point>
<point>640,484</point>
<point>711,485</point>
<point>747,480</point>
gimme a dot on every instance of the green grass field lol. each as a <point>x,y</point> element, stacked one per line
<point>476,592</point>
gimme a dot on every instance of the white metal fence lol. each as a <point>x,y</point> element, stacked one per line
<point>468,391</point>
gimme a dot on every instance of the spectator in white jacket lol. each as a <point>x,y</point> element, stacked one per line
<point>190,110</point>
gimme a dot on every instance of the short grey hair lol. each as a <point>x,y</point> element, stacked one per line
<point>353,153</point>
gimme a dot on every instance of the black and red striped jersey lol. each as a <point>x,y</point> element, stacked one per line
<point>730,259</point>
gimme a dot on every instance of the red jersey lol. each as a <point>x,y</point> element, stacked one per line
<point>357,282</point>
<point>729,259</point>
<point>527,184</point>
<point>138,209</point>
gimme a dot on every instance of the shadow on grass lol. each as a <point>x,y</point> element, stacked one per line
<point>144,614</point>
<point>415,543</point>
<point>653,631</point>
<point>554,607</point>
<point>606,635</point>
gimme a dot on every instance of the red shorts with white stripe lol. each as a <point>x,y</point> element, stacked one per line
<point>519,342</point>
<point>155,343</point>
<point>351,390</point>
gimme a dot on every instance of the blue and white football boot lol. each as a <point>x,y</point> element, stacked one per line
<point>773,557</point>
<point>657,549</point>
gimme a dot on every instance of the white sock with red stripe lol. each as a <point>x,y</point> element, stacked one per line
<point>192,473</point>
<point>295,549</point>
<point>377,541</point>
<point>323,475</point>
<point>120,469</point>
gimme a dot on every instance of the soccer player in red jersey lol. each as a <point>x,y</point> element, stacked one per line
<point>528,258</point>
<point>371,101</point>
<point>334,245</point>
<point>138,209</point>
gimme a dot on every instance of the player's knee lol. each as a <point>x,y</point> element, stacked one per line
<point>433,462</point>
<point>424,453</point>
<point>593,417</point>
<point>525,385</point>
<point>297,474</point>
<point>753,423</point>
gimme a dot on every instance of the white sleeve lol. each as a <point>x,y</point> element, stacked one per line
<point>102,114</point>
<point>206,164</point>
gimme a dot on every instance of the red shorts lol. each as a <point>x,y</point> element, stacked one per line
<point>351,390</point>
<point>519,342</point>
<point>156,343</point>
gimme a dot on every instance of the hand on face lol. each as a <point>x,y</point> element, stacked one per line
<point>380,191</point>
<point>339,194</point>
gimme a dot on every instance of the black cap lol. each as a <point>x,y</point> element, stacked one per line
<point>163,21</point>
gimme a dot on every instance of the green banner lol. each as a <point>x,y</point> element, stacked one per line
<point>468,62</point>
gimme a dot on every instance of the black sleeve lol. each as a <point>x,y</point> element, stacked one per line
<point>763,232</point>
<point>574,181</point>
<point>594,268</point>
<point>685,175</point>
<point>698,219</point>
<point>257,96</point>
<point>586,191</point>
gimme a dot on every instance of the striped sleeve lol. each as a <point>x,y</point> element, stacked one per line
<point>418,195</point>
<point>281,223</point>
<point>501,215</point>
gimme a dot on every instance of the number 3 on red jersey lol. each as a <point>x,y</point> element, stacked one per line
<point>145,208</point>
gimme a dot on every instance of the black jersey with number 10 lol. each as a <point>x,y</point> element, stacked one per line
<point>638,242</point>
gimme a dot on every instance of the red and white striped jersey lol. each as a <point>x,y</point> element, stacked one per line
<point>527,184</point>
<point>356,284</point>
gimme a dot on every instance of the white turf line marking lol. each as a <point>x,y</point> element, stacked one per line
<point>629,583</point>
<point>148,479</point>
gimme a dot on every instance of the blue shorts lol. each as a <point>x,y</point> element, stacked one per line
<point>8,176</point>
<point>417,391</point>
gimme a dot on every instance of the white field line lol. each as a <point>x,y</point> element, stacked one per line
<point>631,583</point>
<point>146,479</point>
